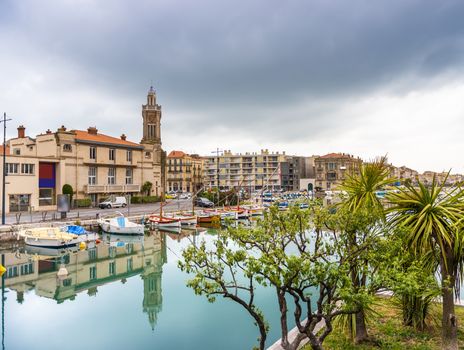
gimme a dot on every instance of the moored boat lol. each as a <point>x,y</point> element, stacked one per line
<point>185,219</point>
<point>120,225</point>
<point>48,237</point>
<point>163,221</point>
<point>206,217</point>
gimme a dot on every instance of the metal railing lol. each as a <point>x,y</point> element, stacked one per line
<point>111,188</point>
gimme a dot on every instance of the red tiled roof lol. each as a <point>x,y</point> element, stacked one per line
<point>336,155</point>
<point>101,138</point>
<point>176,154</point>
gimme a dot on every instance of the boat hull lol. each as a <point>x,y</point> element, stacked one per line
<point>137,230</point>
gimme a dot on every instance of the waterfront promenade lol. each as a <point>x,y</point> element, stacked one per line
<point>91,213</point>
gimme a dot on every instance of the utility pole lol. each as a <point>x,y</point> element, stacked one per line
<point>4,167</point>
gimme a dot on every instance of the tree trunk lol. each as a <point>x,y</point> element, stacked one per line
<point>361,329</point>
<point>283,318</point>
<point>316,345</point>
<point>449,320</point>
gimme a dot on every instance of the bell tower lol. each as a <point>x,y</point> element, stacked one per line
<point>151,115</point>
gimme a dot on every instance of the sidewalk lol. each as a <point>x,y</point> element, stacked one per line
<point>92,213</point>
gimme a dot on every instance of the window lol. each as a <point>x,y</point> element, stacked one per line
<point>17,151</point>
<point>67,147</point>
<point>27,169</point>
<point>93,153</point>
<point>12,272</point>
<point>92,254</point>
<point>93,272</point>
<point>112,252</point>
<point>111,176</point>
<point>67,282</point>
<point>147,154</point>
<point>112,152</point>
<point>128,176</point>
<point>46,196</point>
<point>12,168</point>
<point>112,268</point>
<point>27,269</point>
<point>129,156</point>
<point>92,175</point>
<point>19,202</point>
<point>332,166</point>
<point>151,131</point>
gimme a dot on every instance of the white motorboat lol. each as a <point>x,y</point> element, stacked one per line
<point>120,225</point>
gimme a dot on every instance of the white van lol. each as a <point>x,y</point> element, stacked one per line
<point>113,202</point>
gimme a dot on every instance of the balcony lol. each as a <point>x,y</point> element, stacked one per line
<point>111,188</point>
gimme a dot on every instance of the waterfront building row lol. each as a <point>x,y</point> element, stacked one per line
<point>96,165</point>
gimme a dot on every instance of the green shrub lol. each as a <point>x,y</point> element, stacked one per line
<point>67,189</point>
<point>144,199</point>
<point>136,200</point>
<point>83,203</point>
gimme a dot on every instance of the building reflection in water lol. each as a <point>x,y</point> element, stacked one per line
<point>116,258</point>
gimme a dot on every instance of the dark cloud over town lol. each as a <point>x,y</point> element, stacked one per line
<point>302,76</point>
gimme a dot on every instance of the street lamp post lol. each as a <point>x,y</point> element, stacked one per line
<point>4,166</point>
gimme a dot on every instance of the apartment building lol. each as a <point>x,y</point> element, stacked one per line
<point>184,172</point>
<point>254,171</point>
<point>332,169</point>
<point>96,165</point>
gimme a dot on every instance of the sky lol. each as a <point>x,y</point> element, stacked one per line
<point>308,77</point>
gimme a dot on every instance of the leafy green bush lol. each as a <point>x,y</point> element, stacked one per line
<point>67,189</point>
<point>83,203</point>
<point>144,199</point>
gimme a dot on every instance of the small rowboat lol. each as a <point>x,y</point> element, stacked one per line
<point>208,218</point>
<point>163,221</point>
<point>185,219</point>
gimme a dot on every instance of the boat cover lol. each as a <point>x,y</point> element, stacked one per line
<point>121,222</point>
<point>75,229</point>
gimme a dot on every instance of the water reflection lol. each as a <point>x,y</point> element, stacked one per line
<point>63,274</point>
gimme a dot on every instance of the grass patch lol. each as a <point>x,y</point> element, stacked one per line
<point>387,332</point>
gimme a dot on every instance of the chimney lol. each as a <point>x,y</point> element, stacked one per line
<point>21,132</point>
<point>48,132</point>
<point>62,129</point>
<point>123,137</point>
<point>92,130</point>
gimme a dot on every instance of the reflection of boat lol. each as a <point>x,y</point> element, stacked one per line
<point>43,251</point>
<point>115,240</point>
<point>120,225</point>
<point>170,229</point>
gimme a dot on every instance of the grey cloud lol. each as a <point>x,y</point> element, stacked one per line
<point>251,63</point>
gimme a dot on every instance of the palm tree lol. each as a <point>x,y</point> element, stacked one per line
<point>360,189</point>
<point>432,218</point>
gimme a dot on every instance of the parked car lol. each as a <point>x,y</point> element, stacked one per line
<point>203,202</point>
<point>185,196</point>
<point>113,202</point>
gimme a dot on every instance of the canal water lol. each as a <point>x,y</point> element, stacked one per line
<point>124,293</point>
